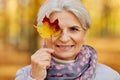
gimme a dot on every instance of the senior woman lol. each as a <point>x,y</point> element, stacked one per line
<point>67,58</point>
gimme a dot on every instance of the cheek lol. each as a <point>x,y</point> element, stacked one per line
<point>80,40</point>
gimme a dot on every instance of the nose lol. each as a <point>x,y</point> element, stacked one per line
<point>64,37</point>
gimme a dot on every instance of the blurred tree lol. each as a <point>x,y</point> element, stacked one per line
<point>34,39</point>
<point>27,18</point>
<point>12,24</point>
<point>3,20</point>
<point>106,18</point>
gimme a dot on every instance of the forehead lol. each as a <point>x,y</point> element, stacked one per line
<point>64,17</point>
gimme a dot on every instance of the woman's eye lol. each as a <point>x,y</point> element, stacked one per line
<point>74,29</point>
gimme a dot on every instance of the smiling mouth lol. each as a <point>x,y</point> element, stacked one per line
<point>64,47</point>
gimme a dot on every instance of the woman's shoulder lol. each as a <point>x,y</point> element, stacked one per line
<point>90,47</point>
<point>24,73</point>
<point>104,72</point>
<point>26,69</point>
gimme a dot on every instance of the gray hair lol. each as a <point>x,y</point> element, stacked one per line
<point>74,6</point>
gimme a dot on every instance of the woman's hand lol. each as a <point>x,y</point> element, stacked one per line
<point>40,61</point>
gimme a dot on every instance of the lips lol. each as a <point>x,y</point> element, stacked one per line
<point>64,47</point>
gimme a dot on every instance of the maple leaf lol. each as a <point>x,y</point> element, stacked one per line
<point>48,29</point>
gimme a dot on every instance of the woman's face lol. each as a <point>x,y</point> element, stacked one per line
<point>67,44</point>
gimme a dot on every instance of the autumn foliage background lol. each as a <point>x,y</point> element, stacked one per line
<point>19,39</point>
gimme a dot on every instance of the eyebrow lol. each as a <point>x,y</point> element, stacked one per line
<point>79,27</point>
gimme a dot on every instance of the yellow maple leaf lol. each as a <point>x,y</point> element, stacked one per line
<point>48,29</point>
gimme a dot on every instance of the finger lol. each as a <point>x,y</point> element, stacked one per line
<point>43,56</point>
<point>49,50</point>
<point>42,52</point>
<point>44,63</point>
<point>41,64</point>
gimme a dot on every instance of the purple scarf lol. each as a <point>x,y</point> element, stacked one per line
<point>81,69</point>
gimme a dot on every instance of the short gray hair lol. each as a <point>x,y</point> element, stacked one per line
<point>75,6</point>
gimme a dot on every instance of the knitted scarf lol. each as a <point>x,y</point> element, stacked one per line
<point>81,69</point>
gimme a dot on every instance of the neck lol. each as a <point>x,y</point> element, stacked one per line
<point>63,61</point>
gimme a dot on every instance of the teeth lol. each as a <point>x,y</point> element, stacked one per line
<point>64,45</point>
